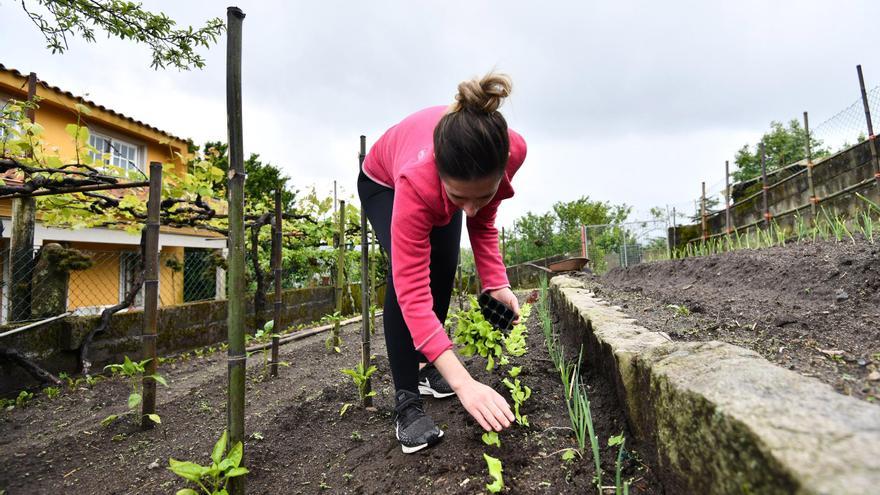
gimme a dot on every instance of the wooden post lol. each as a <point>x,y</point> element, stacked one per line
<point>871,141</point>
<point>727,196</point>
<point>703,213</point>
<point>365,285</point>
<point>764,187</point>
<point>21,243</point>
<point>151,294</point>
<point>814,200</point>
<point>279,296</point>
<point>235,291</point>
<point>340,272</point>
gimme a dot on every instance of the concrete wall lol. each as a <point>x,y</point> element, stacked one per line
<point>183,327</point>
<point>831,177</point>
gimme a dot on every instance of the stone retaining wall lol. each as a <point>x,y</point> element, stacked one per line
<point>717,418</point>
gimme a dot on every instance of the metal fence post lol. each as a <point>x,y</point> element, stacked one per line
<point>764,187</point>
<point>703,218</point>
<point>871,141</point>
<point>727,196</point>
<point>151,294</point>
<point>365,288</point>
<point>813,199</point>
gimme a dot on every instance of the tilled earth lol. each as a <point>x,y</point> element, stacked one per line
<point>297,440</point>
<point>813,308</point>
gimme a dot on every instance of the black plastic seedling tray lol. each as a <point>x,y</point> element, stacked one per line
<point>497,313</point>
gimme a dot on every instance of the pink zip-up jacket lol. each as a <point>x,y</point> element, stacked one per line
<point>403,159</point>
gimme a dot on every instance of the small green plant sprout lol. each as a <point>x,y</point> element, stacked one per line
<point>519,393</point>
<point>334,341</point>
<point>495,470</point>
<point>568,454</point>
<point>52,392</point>
<point>211,480</point>
<point>680,310</point>
<point>361,379</point>
<point>134,372</point>
<point>491,438</point>
<point>514,371</point>
<point>263,335</point>
<point>620,487</point>
<point>23,398</point>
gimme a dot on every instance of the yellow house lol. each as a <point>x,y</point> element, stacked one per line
<point>187,267</point>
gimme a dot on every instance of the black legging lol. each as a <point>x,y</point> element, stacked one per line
<point>377,202</point>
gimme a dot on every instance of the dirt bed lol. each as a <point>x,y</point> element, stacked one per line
<point>298,443</point>
<point>813,308</point>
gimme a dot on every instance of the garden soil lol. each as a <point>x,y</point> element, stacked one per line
<point>298,442</point>
<point>813,308</point>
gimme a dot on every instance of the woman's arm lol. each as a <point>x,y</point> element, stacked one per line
<point>486,405</point>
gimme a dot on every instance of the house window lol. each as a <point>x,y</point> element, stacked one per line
<point>7,122</point>
<point>129,264</point>
<point>121,154</point>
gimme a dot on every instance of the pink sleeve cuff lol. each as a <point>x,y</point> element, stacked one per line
<point>435,344</point>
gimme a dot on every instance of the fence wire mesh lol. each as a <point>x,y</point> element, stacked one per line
<point>849,126</point>
<point>52,280</point>
<point>626,244</point>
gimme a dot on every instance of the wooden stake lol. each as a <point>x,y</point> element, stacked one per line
<point>149,333</point>
<point>365,285</point>
<point>236,261</point>
<point>279,296</point>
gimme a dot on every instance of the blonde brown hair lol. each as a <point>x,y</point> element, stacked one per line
<point>471,140</point>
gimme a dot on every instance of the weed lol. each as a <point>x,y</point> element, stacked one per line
<point>356,436</point>
<point>680,310</point>
<point>52,392</point>
<point>212,480</point>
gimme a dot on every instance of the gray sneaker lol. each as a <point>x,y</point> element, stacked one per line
<point>431,382</point>
<point>413,428</point>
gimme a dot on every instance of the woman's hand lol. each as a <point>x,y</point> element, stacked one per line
<point>506,296</point>
<point>485,405</point>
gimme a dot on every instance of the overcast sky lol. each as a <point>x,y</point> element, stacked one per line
<point>621,101</point>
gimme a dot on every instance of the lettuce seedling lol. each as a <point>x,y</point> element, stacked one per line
<point>519,393</point>
<point>495,470</point>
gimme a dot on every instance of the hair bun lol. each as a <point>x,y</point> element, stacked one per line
<point>482,95</point>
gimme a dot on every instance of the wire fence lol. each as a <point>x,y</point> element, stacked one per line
<point>849,126</point>
<point>53,280</point>
<point>626,244</point>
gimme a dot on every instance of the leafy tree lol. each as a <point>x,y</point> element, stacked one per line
<point>262,178</point>
<point>171,46</point>
<point>782,146</point>
<point>558,231</point>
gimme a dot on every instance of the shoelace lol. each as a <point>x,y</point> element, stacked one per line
<point>408,407</point>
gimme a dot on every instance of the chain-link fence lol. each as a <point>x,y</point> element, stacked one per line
<point>847,127</point>
<point>625,244</point>
<point>53,280</point>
